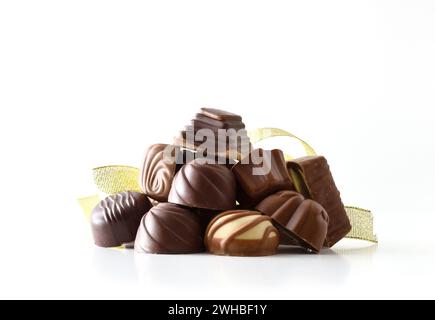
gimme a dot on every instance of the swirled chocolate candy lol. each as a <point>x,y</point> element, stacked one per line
<point>115,220</point>
<point>169,229</point>
<point>159,166</point>
<point>259,175</point>
<point>313,179</point>
<point>215,132</point>
<point>298,220</point>
<point>242,233</point>
<point>204,186</point>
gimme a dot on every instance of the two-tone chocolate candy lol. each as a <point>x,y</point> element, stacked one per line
<point>300,221</point>
<point>242,233</point>
<point>161,163</point>
<point>313,179</point>
<point>115,220</point>
<point>259,175</point>
<point>170,229</point>
<point>204,186</point>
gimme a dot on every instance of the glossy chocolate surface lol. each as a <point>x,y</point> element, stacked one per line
<point>254,188</point>
<point>204,186</point>
<point>242,233</point>
<point>299,220</point>
<point>170,229</point>
<point>312,177</point>
<point>220,115</point>
<point>115,220</point>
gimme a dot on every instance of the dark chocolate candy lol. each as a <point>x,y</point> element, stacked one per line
<point>298,220</point>
<point>115,220</point>
<point>255,186</point>
<point>312,177</point>
<point>206,216</point>
<point>204,186</point>
<point>241,233</point>
<point>170,229</point>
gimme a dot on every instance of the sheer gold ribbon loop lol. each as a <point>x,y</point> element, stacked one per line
<point>260,134</point>
<point>360,219</point>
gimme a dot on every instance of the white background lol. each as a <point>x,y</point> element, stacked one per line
<point>89,83</point>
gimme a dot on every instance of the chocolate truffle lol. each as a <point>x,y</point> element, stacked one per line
<point>312,177</point>
<point>298,220</point>
<point>169,229</point>
<point>115,220</point>
<point>204,186</point>
<point>242,233</point>
<point>259,175</point>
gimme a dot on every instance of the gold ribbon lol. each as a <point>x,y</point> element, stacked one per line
<point>110,180</point>
<point>115,179</point>
<point>361,220</point>
<point>260,134</point>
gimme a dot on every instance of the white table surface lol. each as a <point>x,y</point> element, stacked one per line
<point>401,266</point>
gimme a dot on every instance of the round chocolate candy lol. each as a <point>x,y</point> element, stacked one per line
<point>115,220</point>
<point>242,233</point>
<point>204,186</point>
<point>170,229</point>
<point>298,219</point>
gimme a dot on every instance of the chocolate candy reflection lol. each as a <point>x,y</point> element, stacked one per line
<point>115,220</point>
<point>242,233</point>
<point>313,179</point>
<point>298,220</point>
<point>169,229</point>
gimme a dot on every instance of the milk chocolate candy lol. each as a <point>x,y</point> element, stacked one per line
<point>204,186</point>
<point>203,122</point>
<point>260,175</point>
<point>169,229</point>
<point>300,221</point>
<point>216,133</point>
<point>313,179</point>
<point>115,220</point>
<point>242,233</point>
<point>159,166</point>
<point>220,115</point>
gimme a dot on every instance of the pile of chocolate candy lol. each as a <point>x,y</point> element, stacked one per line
<point>223,200</point>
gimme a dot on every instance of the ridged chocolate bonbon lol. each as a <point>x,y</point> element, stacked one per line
<point>312,177</point>
<point>169,229</point>
<point>204,186</point>
<point>225,134</point>
<point>298,219</point>
<point>115,220</point>
<point>255,186</point>
<point>242,233</point>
